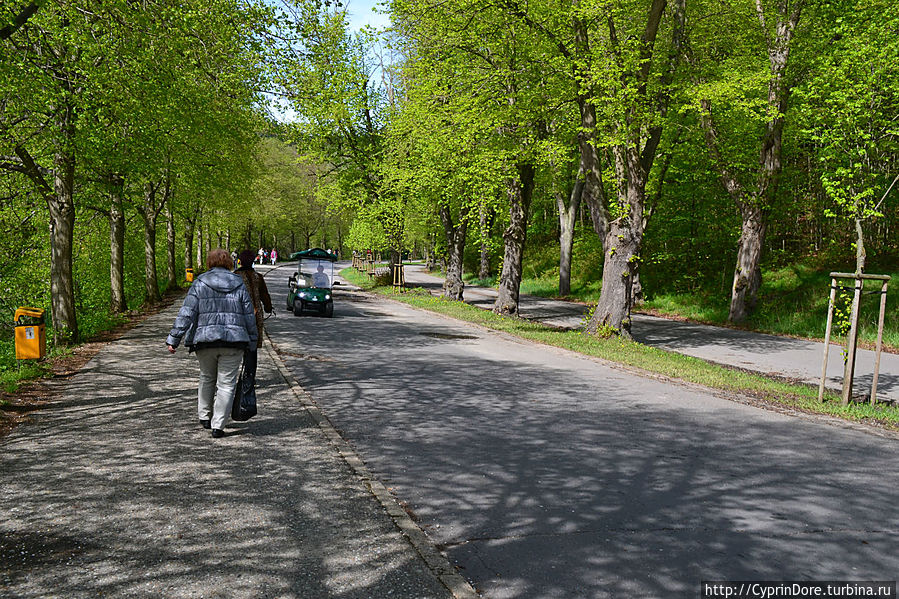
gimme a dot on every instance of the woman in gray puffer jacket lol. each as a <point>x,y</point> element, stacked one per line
<point>218,323</point>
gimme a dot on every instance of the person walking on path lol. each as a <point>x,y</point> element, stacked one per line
<point>217,322</point>
<point>261,299</point>
<point>274,256</point>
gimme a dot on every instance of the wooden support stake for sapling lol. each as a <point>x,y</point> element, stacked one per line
<point>852,339</point>
<point>883,308</point>
<point>830,305</point>
<point>852,342</point>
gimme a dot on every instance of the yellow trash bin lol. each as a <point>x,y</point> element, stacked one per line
<point>189,275</point>
<point>31,337</point>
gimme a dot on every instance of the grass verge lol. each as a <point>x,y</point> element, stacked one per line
<point>654,361</point>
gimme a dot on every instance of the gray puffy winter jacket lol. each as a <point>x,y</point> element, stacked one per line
<point>217,312</point>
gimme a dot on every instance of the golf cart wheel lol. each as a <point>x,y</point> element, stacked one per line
<point>297,308</point>
<point>329,310</point>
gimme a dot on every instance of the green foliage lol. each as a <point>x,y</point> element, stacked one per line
<point>852,99</point>
<point>158,94</point>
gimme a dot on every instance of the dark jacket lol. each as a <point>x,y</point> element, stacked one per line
<point>259,295</point>
<point>217,312</point>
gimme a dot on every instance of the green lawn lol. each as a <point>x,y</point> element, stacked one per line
<point>792,301</point>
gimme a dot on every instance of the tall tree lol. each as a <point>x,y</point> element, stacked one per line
<point>850,103</point>
<point>752,189</point>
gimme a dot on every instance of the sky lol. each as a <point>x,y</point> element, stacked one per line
<point>361,14</point>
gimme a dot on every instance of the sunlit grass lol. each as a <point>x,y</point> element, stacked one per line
<point>15,372</point>
<point>792,301</point>
<point>649,359</point>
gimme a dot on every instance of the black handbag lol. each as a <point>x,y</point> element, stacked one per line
<point>243,406</point>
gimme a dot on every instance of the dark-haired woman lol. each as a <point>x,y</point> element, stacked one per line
<point>262,300</point>
<point>217,322</point>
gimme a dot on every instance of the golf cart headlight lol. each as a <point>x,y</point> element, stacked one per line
<point>327,296</point>
<point>302,294</point>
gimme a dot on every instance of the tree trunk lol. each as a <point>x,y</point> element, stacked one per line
<point>199,229</point>
<point>521,188</point>
<point>453,286</point>
<point>753,212</point>
<point>486,221</point>
<point>567,219</point>
<point>149,215</point>
<point>431,257</point>
<point>62,231</point>
<point>246,241</point>
<point>861,255</point>
<point>622,246</point>
<point>190,229</point>
<point>748,273</point>
<point>188,244</point>
<point>117,246</point>
<point>171,276</point>
<point>612,314</point>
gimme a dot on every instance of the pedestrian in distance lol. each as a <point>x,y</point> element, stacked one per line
<point>274,256</point>
<point>261,299</point>
<point>217,323</point>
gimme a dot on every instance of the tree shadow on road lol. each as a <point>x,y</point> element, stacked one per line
<point>116,491</point>
<point>551,476</point>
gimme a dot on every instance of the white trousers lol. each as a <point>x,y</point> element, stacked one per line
<point>219,369</point>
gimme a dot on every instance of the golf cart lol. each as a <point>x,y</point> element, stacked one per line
<point>309,288</point>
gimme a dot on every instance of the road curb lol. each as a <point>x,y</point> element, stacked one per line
<point>439,565</point>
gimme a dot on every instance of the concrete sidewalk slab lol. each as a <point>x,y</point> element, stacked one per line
<point>114,490</point>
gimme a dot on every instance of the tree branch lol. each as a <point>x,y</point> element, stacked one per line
<point>26,13</point>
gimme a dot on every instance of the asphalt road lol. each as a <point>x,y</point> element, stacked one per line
<point>545,474</point>
<point>796,359</point>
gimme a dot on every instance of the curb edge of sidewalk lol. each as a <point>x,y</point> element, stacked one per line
<point>436,562</point>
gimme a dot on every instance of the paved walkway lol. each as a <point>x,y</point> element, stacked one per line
<point>116,491</point>
<point>767,354</point>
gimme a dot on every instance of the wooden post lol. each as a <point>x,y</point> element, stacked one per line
<point>883,307</point>
<point>833,295</point>
<point>399,277</point>
<point>852,342</point>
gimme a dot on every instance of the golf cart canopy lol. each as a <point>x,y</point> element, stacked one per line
<point>314,254</point>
